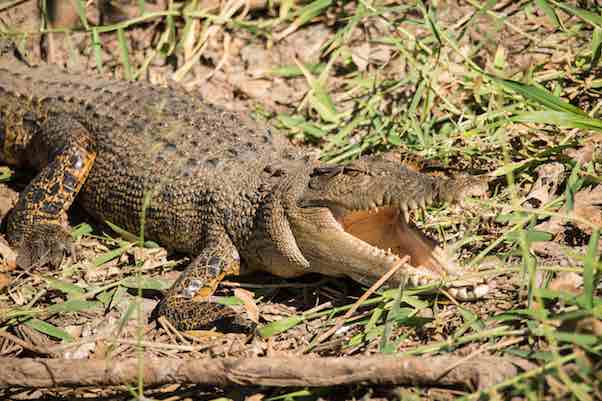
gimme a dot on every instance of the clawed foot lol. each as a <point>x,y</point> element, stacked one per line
<point>187,314</point>
<point>45,244</point>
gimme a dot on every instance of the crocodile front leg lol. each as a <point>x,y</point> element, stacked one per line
<point>189,304</point>
<point>64,152</point>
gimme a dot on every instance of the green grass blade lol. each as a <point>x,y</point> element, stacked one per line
<point>538,95</point>
<point>145,284</point>
<point>386,345</point>
<point>142,6</point>
<point>110,255</point>
<point>583,340</point>
<point>509,167</point>
<point>560,119</point>
<point>311,11</point>
<point>73,306</point>
<point>531,236</point>
<point>80,230</point>
<point>6,174</point>
<point>589,269</point>
<point>96,46</point>
<point>280,326</point>
<point>80,7</point>
<point>572,187</point>
<point>588,16</point>
<point>596,47</point>
<point>49,329</point>
<point>127,316</point>
<point>430,21</point>
<point>291,71</point>
<point>547,8</point>
<point>319,97</point>
<point>66,287</point>
<point>126,235</point>
<point>125,55</point>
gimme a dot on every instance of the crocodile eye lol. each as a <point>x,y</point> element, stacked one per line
<point>351,172</point>
<point>327,171</point>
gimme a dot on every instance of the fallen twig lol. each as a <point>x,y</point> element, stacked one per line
<point>341,320</point>
<point>268,371</point>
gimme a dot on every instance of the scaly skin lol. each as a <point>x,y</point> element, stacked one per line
<point>215,184</point>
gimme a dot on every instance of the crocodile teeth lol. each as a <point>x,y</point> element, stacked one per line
<point>412,204</point>
<point>459,293</point>
<point>422,203</point>
<point>413,280</point>
<point>405,212</point>
<point>387,199</point>
<point>392,259</point>
<point>481,290</point>
<point>469,293</point>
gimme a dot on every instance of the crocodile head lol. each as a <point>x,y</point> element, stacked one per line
<point>353,220</point>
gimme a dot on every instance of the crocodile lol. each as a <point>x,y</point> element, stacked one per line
<point>212,183</point>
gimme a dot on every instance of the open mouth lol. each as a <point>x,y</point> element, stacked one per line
<point>384,235</point>
<point>358,224</point>
<point>387,232</point>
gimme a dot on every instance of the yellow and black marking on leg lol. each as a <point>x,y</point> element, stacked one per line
<point>34,225</point>
<point>189,304</point>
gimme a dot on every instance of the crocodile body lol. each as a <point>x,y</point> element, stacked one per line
<point>208,182</point>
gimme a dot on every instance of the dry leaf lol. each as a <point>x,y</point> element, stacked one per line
<point>4,281</point>
<point>552,226</point>
<point>249,303</point>
<point>549,176</point>
<point>588,206</point>
<point>361,55</point>
<point>588,151</point>
<point>590,325</point>
<point>567,282</point>
<point>380,54</point>
<point>255,397</point>
<point>550,249</point>
<point>8,199</point>
<point>9,257</point>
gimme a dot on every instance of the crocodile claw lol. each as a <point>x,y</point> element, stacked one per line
<point>45,244</point>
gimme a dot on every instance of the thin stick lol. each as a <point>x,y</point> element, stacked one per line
<point>341,321</point>
<point>25,344</point>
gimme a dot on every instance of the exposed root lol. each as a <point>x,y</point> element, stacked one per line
<point>476,373</point>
